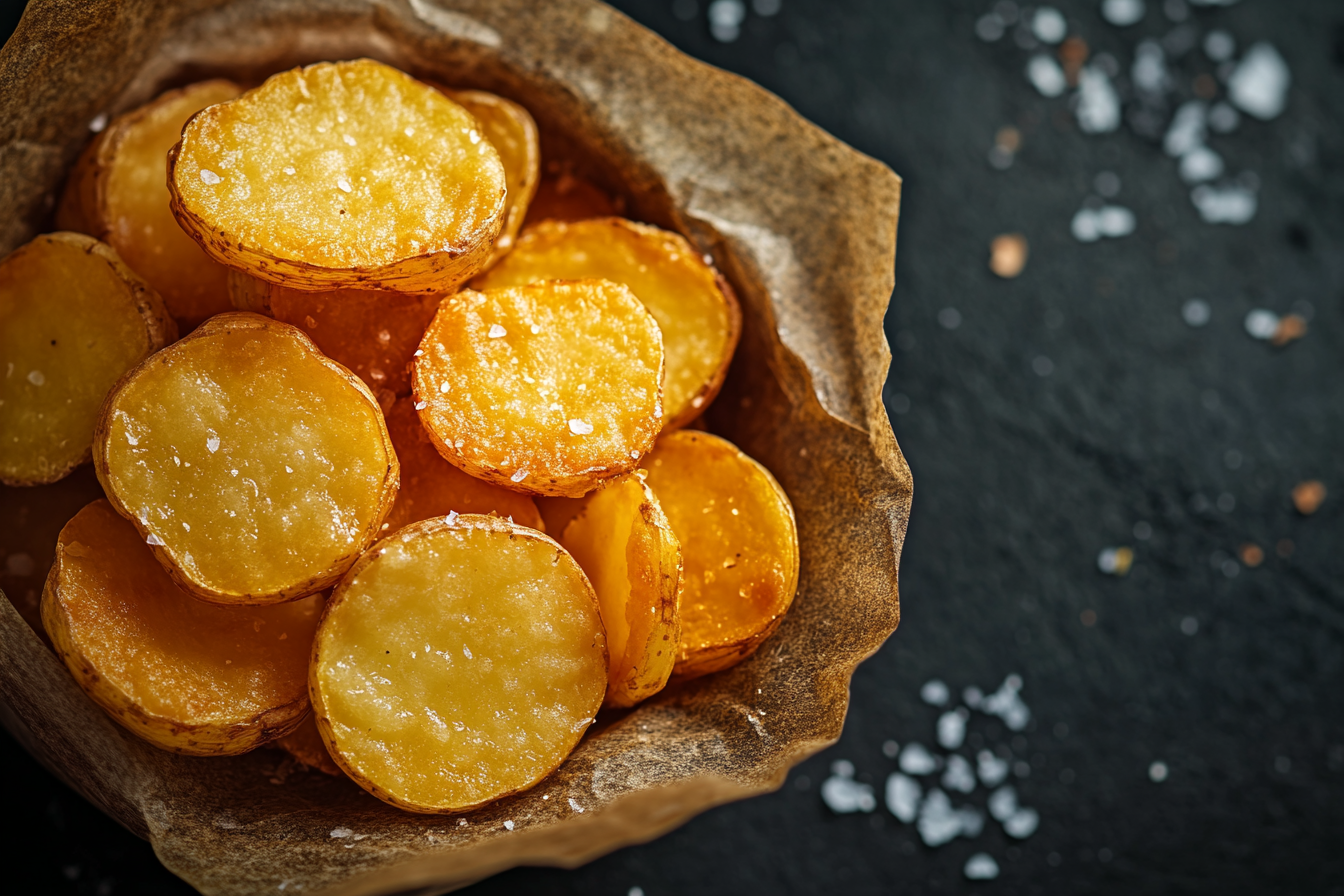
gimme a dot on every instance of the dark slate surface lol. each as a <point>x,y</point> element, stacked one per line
<point>1022,479</point>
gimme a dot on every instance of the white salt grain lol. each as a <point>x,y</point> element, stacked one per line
<point>288,169</point>
<point>991,769</point>
<point>1046,76</point>
<point>1084,226</point>
<point>972,696</point>
<point>1233,204</point>
<point>580,427</point>
<point>341,833</point>
<point>981,866</point>
<point>451,518</point>
<point>343,184</point>
<point>1186,130</point>
<point>519,476</point>
<point>1048,25</point>
<point>952,729</point>
<point>1022,823</point>
<point>1223,119</point>
<point>725,19</point>
<point>1007,705</point>
<point>1196,312</point>
<point>212,444</point>
<point>1115,221</point>
<point>1259,85</point>
<point>1219,45</point>
<point>916,760</point>
<point>421,405</point>
<point>1261,324</point>
<point>508,825</point>
<point>497,332</point>
<point>1122,13</point>
<point>935,692</point>
<point>1200,164</point>
<point>99,123</point>
<point>938,822</point>
<point>1003,803</point>
<point>903,795</point>
<point>575,806</point>
<point>37,377</point>
<point>1149,71</point>
<point>843,795</point>
<point>1157,772</point>
<point>210,177</point>
<point>154,540</point>
<point>959,776</point>
<point>972,821</point>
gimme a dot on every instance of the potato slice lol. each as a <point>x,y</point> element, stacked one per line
<point>511,129</point>
<point>626,546</point>
<point>305,745</point>
<point>739,547</point>
<point>561,196</point>
<point>118,192</point>
<point>694,306</point>
<point>183,674</point>
<point>547,389</point>
<point>73,319</point>
<point>458,662</point>
<point>341,175</point>
<point>372,332</point>
<point>257,468</point>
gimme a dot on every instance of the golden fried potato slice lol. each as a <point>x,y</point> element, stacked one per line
<point>118,192</point>
<point>739,547</point>
<point>694,306</point>
<point>458,662</point>
<point>547,389</point>
<point>341,175</point>
<point>257,468</point>
<point>372,332</point>
<point>625,544</point>
<point>305,745</point>
<point>183,674</point>
<point>73,319</point>
<point>430,486</point>
<point>562,196</point>
<point>511,129</point>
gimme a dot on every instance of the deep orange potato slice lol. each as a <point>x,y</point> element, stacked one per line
<point>73,319</point>
<point>625,544</point>
<point>257,468</point>
<point>118,192</point>
<point>305,745</point>
<point>341,175</point>
<point>183,674</point>
<point>372,332</point>
<point>511,129</point>
<point>695,308</point>
<point>547,389</point>
<point>739,545</point>
<point>458,662</point>
<point>432,487</point>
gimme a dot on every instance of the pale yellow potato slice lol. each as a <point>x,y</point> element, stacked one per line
<point>459,661</point>
<point>73,319</point>
<point>739,547</point>
<point>694,306</point>
<point>257,468</point>
<point>185,675</point>
<point>548,389</point>
<point>625,544</point>
<point>118,192</point>
<point>341,175</point>
<point>511,129</point>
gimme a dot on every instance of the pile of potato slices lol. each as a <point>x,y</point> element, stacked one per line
<point>401,471</point>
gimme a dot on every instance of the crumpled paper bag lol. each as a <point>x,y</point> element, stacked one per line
<point>802,225</point>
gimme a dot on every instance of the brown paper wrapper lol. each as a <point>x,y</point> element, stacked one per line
<point>803,226</point>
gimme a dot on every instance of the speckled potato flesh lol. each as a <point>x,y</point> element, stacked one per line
<point>341,175</point>
<point>432,487</point>
<point>305,745</point>
<point>118,192</point>
<point>458,662</point>
<point>372,332</point>
<point>511,130</point>
<point>73,319</point>
<point>739,547</point>
<point>695,308</point>
<point>548,389</point>
<point>186,675</point>
<point>625,544</point>
<point>257,468</point>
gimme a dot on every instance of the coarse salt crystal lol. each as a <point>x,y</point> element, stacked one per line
<point>210,177</point>
<point>341,833</point>
<point>575,806</point>
<point>444,387</point>
<point>154,539</point>
<point>288,169</point>
<point>343,184</point>
<point>349,141</point>
<point>518,476</point>
<point>508,825</point>
<point>212,444</point>
<point>580,427</point>
<point>421,405</point>
<point>37,377</point>
<point>496,331</point>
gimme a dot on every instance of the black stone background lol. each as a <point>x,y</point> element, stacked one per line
<point>1022,479</point>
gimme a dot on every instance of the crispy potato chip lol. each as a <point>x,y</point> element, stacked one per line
<point>739,547</point>
<point>431,487</point>
<point>73,319</point>
<point>458,662</point>
<point>626,546</point>
<point>341,175</point>
<point>372,332</point>
<point>561,196</point>
<point>118,192</point>
<point>183,674</point>
<point>547,389</point>
<point>511,129</point>
<point>305,745</point>
<point>257,468</point>
<point>695,308</point>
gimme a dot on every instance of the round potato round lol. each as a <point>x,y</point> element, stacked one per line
<point>625,544</point>
<point>183,674</point>
<point>548,389</point>
<point>73,319</point>
<point>739,547</point>
<point>694,306</point>
<point>372,332</point>
<point>430,486</point>
<point>459,661</point>
<point>257,468</point>
<point>341,175</point>
<point>118,192</point>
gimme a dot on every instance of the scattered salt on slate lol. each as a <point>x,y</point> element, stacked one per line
<point>916,760</point>
<point>1259,84</point>
<point>1122,13</point>
<point>903,794</point>
<point>991,769</point>
<point>958,776</point>
<point>952,728</point>
<point>1261,324</point>
<point>981,866</point>
<point>842,794</point>
<point>935,692</point>
<point>1196,312</point>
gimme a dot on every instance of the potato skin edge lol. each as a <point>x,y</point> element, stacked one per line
<point>460,521</point>
<point>102,434</point>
